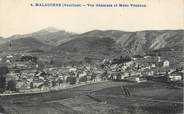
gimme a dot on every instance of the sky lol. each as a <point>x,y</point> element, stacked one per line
<point>18,17</point>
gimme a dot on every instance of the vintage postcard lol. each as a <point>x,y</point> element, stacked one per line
<point>91,56</point>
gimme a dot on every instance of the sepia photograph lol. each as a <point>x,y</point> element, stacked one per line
<point>91,56</point>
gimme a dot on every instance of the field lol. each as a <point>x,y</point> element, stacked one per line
<point>100,98</point>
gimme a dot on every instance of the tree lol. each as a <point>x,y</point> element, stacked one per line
<point>104,75</point>
<point>3,71</point>
<point>83,79</point>
<point>31,85</point>
<point>126,59</point>
<point>53,83</point>
<point>11,85</point>
<point>93,76</point>
<point>71,80</point>
<point>2,84</point>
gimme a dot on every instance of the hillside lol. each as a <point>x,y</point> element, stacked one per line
<point>23,44</point>
<point>91,46</point>
<point>2,40</point>
<point>143,41</point>
<point>49,36</point>
<point>52,37</point>
<point>100,44</point>
<point>113,43</point>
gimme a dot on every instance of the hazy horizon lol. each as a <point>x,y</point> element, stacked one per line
<point>86,31</point>
<point>18,17</point>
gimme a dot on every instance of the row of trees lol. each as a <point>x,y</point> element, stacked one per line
<point>121,60</point>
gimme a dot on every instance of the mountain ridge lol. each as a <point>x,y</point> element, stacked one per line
<point>103,42</point>
<point>50,36</point>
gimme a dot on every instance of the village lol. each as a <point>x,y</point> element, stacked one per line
<point>26,74</point>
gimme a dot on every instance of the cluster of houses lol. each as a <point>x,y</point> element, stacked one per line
<point>27,76</point>
<point>139,69</point>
